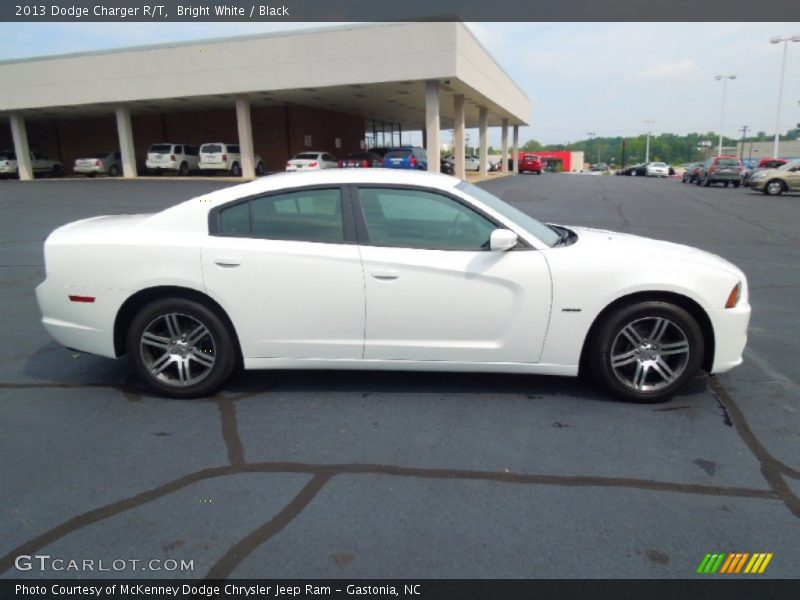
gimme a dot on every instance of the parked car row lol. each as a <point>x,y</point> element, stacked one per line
<point>772,176</point>
<point>401,157</point>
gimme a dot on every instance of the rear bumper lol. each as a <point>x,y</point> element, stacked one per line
<point>213,167</point>
<point>730,336</point>
<point>85,170</point>
<point>88,327</point>
<point>162,166</point>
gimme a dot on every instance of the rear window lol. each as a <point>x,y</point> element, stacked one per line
<point>210,148</point>
<point>659,164</point>
<point>530,157</point>
<point>728,162</point>
<point>359,156</point>
<point>160,148</point>
<point>398,154</point>
<point>8,156</point>
<point>307,156</point>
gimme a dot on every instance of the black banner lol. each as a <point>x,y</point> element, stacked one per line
<point>387,10</point>
<point>734,588</point>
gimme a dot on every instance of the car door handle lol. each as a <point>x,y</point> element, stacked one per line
<point>385,275</point>
<point>227,262</point>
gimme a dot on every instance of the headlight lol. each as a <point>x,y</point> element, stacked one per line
<point>759,175</point>
<point>733,297</point>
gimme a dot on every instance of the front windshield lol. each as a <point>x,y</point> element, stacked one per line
<point>539,230</point>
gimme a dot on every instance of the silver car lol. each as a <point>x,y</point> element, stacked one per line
<point>102,163</point>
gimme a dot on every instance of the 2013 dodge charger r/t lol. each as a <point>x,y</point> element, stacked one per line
<point>385,269</point>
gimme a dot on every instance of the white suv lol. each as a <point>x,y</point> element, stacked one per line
<point>183,158</point>
<point>217,156</point>
<point>39,164</point>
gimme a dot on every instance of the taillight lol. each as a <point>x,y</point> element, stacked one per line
<point>413,162</point>
<point>288,163</point>
<point>364,163</point>
<point>224,158</point>
<point>712,170</point>
<point>86,299</point>
<point>97,163</point>
<point>312,164</point>
<point>172,158</point>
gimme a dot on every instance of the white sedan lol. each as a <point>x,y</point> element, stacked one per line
<point>657,169</point>
<point>382,269</point>
<point>312,161</point>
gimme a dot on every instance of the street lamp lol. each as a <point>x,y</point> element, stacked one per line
<point>724,79</point>
<point>591,134</point>
<point>648,122</point>
<point>777,40</point>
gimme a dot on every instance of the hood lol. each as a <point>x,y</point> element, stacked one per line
<point>625,246</point>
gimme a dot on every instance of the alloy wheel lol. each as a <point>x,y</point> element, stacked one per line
<point>649,353</point>
<point>178,349</point>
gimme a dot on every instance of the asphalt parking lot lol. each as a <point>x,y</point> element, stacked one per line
<point>365,474</point>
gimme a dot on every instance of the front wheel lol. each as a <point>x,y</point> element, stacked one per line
<point>260,169</point>
<point>774,188</point>
<point>180,348</point>
<point>646,352</point>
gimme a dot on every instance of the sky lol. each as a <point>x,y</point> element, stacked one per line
<point>606,78</point>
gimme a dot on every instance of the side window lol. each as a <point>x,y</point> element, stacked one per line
<point>36,156</point>
<point>417,219</point>
<point>235,220</point>
<point>177,150</point>
<point>328,157</point>
<point>234,150</point>
<point>192,150</point>
<point>305,216</point>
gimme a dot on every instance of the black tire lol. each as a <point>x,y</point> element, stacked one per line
<point>774,187</point>
<point>57,171</point>
<point>609,337</point>
<point>217,344</point>
<point>706,182</point>
<point>113,171</point>
<point>236,170</point>
<point>183,170</point>
<point>260,170</point>
<point>736,184</point>
<point>91,175</point>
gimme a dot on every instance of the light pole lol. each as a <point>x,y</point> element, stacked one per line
<point>777,40</point>
<point>648,122</point>
<point>724,79</point>
<point>591,135</point>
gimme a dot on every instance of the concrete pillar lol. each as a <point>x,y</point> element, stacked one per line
<point>21,148</point>
<point>245,126</point>
<point>515,149</point>
<point>504,165</point>
<point>459,136</point>
<point>432,125</point>
<point>126,148</point>
<point>483,125</point>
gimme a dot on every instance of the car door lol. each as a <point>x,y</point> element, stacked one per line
<point>39,162</point>
<point>434,292</point>
<point>286,269</point>
<point>793,178</point>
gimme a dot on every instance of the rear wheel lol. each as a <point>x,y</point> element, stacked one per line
<point>183,170</point>
<point>647,351</point>
<point>236,170</point>
<point>57,171</point>
<point>774,188</point>
<point>180,348</point>
<point>113,171</point>
<point>736,184</point>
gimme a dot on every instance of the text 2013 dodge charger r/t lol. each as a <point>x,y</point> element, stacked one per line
<point>384,269</point>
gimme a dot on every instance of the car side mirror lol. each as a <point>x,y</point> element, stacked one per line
<point>502,239</point>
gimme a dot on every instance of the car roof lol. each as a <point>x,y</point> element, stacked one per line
<point>280,181</point>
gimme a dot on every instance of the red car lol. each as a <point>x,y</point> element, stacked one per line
<point>362,160</point>
<point>530,163</point>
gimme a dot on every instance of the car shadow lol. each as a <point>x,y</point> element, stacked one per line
<point>53,366</point>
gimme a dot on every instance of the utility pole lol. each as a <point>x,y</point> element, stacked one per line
<point>744,137</point>
<point>648,122</point>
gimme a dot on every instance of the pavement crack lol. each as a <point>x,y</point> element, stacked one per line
<point>248,544</point>
<point>772,469</point>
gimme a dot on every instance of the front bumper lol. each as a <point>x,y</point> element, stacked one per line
<point>730,335</point>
